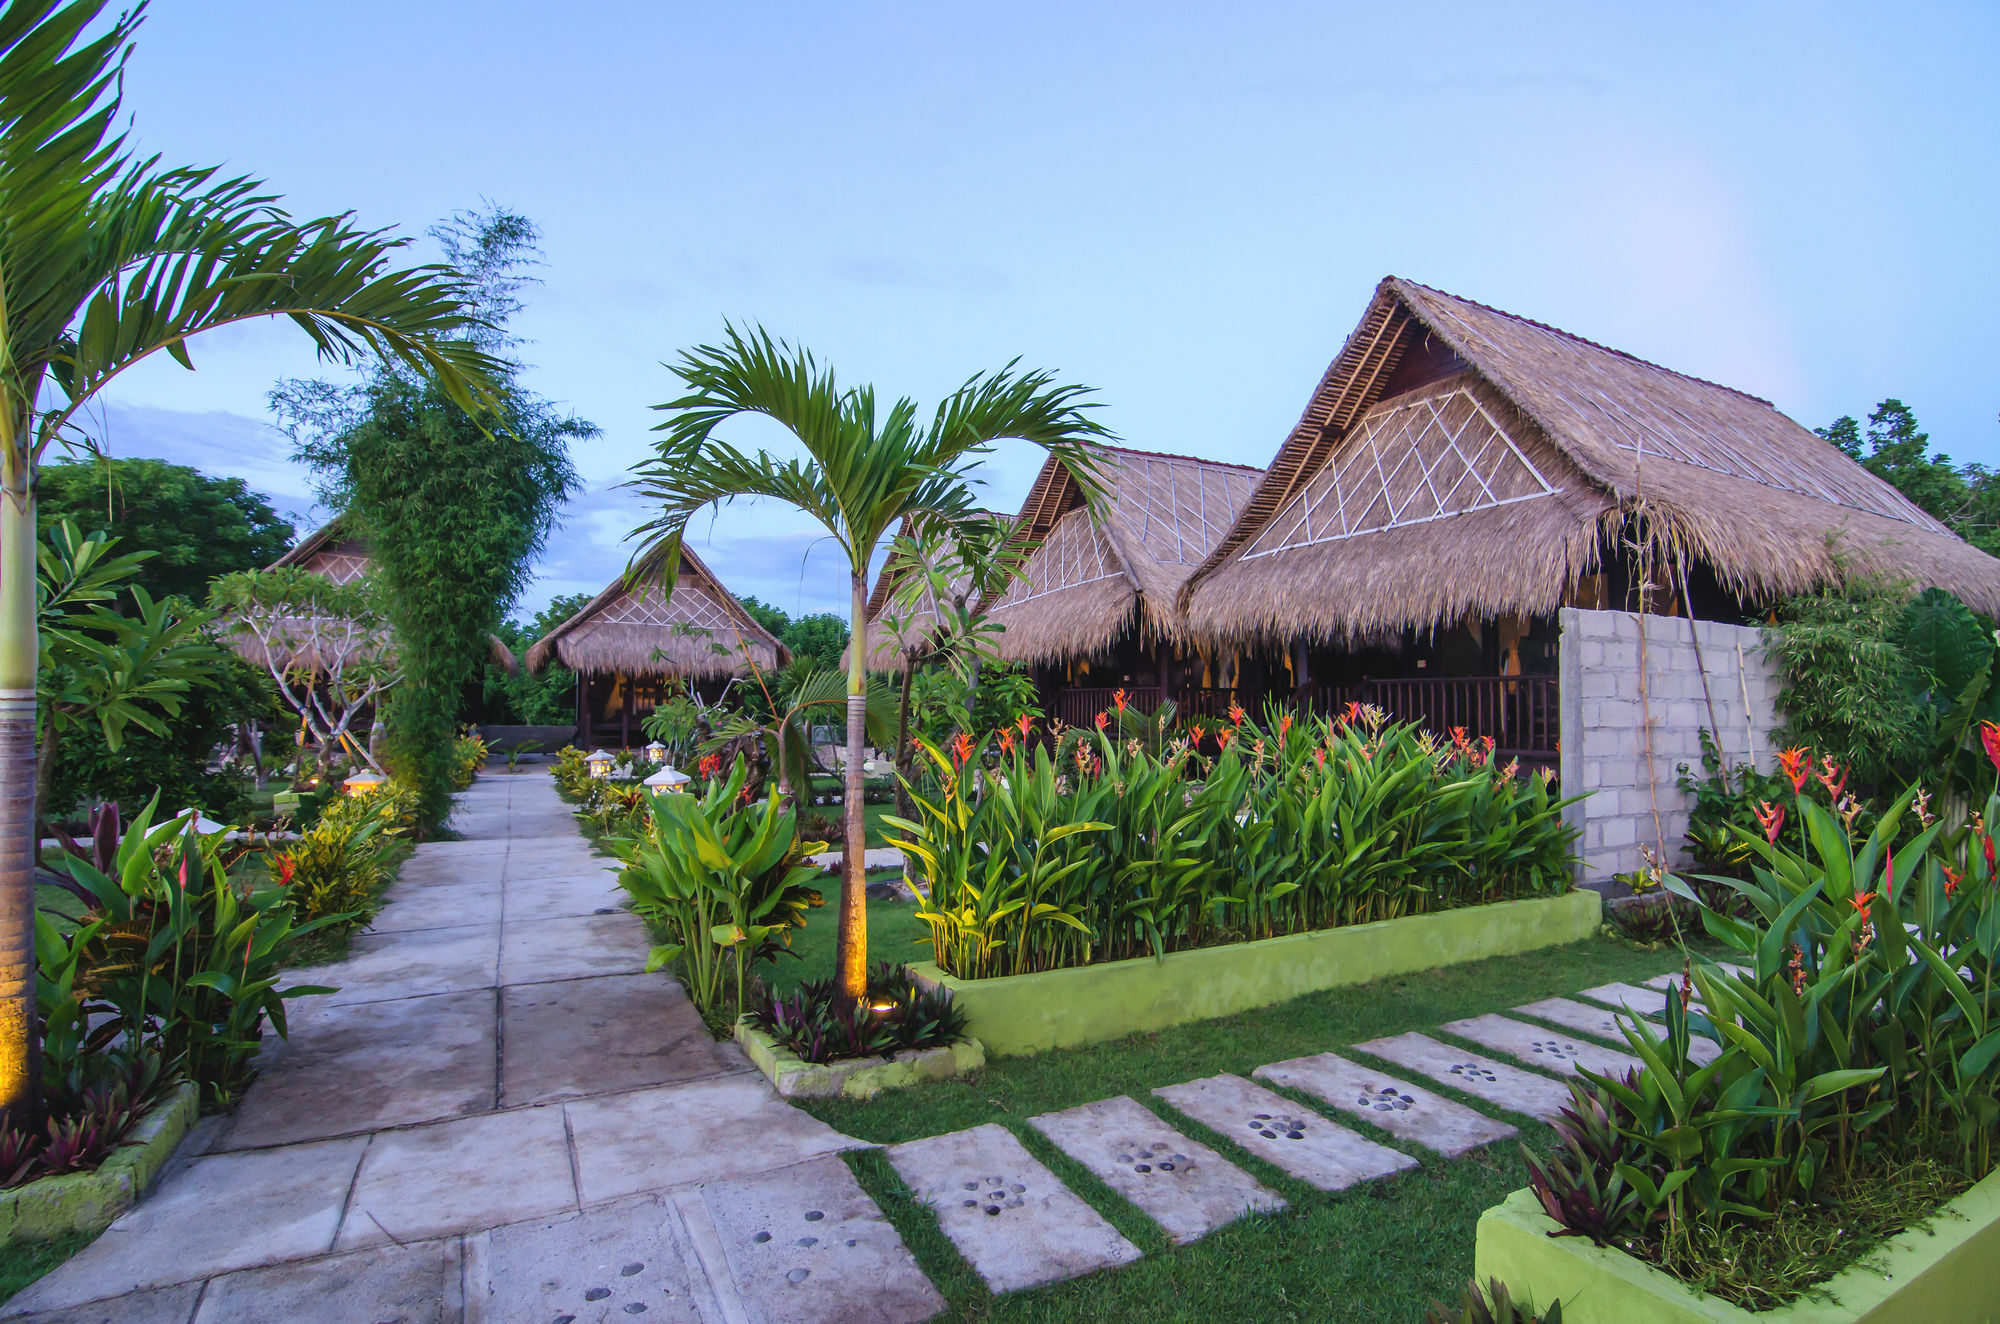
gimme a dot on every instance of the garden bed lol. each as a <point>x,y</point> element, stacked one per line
<point>854,1077</point>
<point>88,1202</point>
<point>1088,1004</point>
<point>1942,1272</point>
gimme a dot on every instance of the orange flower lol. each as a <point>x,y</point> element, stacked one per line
<point>1103,718</point>
<point>1771,818</point>
<point>1860,903</point>
<point>1827,778</point>
<point>709,765</point>
<point>1024,722</point>
<point>1351,713</point>
<point>1118,697</point>
<point>1320,756</point>
<point>1006,741</point>
<point>1793,761</point>
<point>1458,737</point>
<point>287,866</point>
<point>1989,736</point>
<point>1222,735</point>
<point>961,749</point>
<point>1284,726</point>
<point>1952,878</point>
<point>1236,713</point>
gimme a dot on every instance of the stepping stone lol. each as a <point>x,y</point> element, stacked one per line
<point>1405,1111</point>
<point>1672,978</point>
<point>1494,1082</point>
<point>592,1267</point>
<point>1586,1019</point>
<point>806,1243</point>
<point>1007,1214</point>
<point>1629,997</point>
<point>1181,1184</point>
<point>1284,1134</point>
<point>1547,1049</point>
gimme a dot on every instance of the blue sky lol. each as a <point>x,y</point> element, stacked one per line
<point>1185,207</point>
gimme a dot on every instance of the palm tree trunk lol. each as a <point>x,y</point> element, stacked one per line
<point>851,956</point>
<point>20,1055</point>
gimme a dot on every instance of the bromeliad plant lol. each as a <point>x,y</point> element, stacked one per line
<point>726,884</point>
<point>1030,859</point>
<point>817,1024</point>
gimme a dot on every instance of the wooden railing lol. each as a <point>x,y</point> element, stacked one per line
<point>1521,713</point>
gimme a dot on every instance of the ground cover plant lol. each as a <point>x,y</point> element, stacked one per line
<point>1036,855</point>
<point>817,1024</point>
<point>1860,1056</point>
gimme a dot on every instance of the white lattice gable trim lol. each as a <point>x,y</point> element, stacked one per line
<point>1179,510</point>
<point>1076,552</point>
<point>692,604</point>
<point>1408,461</point>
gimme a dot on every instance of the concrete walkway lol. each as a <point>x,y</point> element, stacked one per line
<point>498,1117</point>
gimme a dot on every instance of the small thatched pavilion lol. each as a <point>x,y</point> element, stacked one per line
<point>626,641</point>
<point>329,550</point>
<point>1461,473</point>
<point>1096,610</point>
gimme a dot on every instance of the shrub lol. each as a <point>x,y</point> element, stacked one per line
<point>468,756</point>
<point>571,771</point>
<point>724,882</point>
<point>896,1014</point>
<point>335,871</point>
<point>1101,851</point>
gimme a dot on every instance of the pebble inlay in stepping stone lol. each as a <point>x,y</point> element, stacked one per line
<point>806,1242</point>
<point>1550,1050</point>
<point>1007,1214</point>
<point>1285,1134</point>
<point>1483,1078</point>
<point>1401,1110</point>
<point>1586,1019</point>
<point>1181,1184</point>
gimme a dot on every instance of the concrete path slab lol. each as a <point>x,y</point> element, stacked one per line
<point>594,1036</point>
<point>1551,1050</point>
<point>1179,1183</point>
<point>577,947</point>
<point>229,1211</point>
<point>453,905</point>
<point>1406,1111</point>
<point>418,1284</point>
<point>402,1062</point>
<point>1285,1134</point>
<point>806,1244</point>
<point>385,966</point>
<point>590,1268</point>
<point>584,892</point>
<point>651,1139</point>
<point>1007,1214</point>
<point>1602,1024</point>
<point>1491,1082</point>
<point>168,1305</point>
<point>459,1176</point>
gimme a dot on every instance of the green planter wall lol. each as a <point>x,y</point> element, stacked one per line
<point>50,1207</point>
<point>1087,1004</point>
<point>1940,1275</point>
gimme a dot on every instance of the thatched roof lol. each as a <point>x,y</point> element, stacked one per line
<point>700,629</point>
<point>329,550</point>
<point>1090,577</point>
<point>883,655</point>
<point>1458,458</point>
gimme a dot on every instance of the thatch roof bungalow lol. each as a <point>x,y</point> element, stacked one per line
<point>1461,462</point>
<point>883,652</point>
<point>627,640</point>
<point>1098,603</point>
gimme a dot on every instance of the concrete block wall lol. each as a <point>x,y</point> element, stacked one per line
<point>1604,746</point>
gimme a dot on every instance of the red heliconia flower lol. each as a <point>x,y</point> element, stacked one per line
<point>1006,741</point>
<point>1861,902</point>
<point>1236,713</point>
<point>1222,735</point>
<point>1284,726</point>
<point>961,749</point>
<point>1989,736</point>
<point>1989,854</point>
<point>1320,756</point>
<point>287,866</point>
<point>1952,878</point>
<point>1889,877</point>
<point>1458,737</point>
<point>1793,761</point>
<point>1024,722</point>
<point>1833,777</point>
<point>1771,818</point>
<point>709,765</point>
<point>1118,697</point>
<point>1102,719</point>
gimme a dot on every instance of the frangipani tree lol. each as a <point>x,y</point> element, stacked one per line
<point>865,469</point>
<point>105,261</point>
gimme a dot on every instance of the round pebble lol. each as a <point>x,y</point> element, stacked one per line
<point>798,1275</point>
<point>1268,1135</point>
<point>597,1294</point>
<point>968,1204</point>
<point>1166,1167</point>
<point>761,1238</point>
<point>814,1215</point>
<point>630,1269</point>
<point>807,1241</point>
<point>636,1308</point>
<point>1142,1167</point>
<point>992,1210</point>
<point>1295,1135</point>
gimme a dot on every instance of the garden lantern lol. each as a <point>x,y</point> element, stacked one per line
<point>365,782</point>
<point>600,764</point>
<point>668,779</point>
<point>655,752</point>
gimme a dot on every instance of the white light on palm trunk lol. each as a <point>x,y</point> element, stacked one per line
<point>365,782</point>
<point>600,764</point>
<point>656,752</point>
<point>667,779</point>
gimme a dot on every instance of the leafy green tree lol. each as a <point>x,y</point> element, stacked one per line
<point>197,527</point>
<point>864,471</point>
<point>820,639</point>
<point>767,616</point>
<point>522,698</point>
<point>455,506</point>
<point>109,259</point>
<point>1896,450</point>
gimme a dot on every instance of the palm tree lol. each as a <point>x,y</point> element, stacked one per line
<point>864,471</point>
<point>106,260</point>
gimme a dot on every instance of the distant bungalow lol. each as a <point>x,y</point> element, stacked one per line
<point>626,643</point>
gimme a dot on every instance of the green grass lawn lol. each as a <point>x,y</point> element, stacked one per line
<point>1383,1250</point>
<point>22,1262</point>
<point>893,935</point>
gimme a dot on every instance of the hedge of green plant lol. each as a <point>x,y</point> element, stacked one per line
<point>1036,855</point>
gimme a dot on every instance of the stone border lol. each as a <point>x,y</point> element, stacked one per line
<point>1090,1003</point>
<point>854,1077</point>
<point>50,1207</point>
<point>1943,1271</point>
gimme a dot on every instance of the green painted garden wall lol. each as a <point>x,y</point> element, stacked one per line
<point>1088,1004</point>
<point>1945,1274</point>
